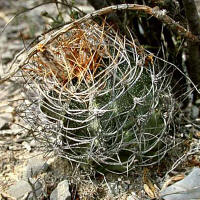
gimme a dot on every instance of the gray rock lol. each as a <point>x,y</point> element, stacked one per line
<point>133,196</point>
<point>118,187</point>
<point>26,146</point>
<point>114,189</point>
<point>15,46</point>
<point>34,143</point>
<point>186,189</point>
<point>61,192</point>
<point>4,119</point>
<point>15,28</point>
<point>6,57</point>
<point>34,167</point>
<point>22,187</point>
<point>3,40</point>
<point>4,4</point>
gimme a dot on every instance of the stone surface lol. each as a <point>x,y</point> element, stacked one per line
<point>4,4</point>
<point>6,57</point>
<point>61,192</point>
<point>186,189</point>
<point>26,146</point>
<point>34,143</point>
<point>34,167</point>
<point>118,187</point>
<point>133,196</point>
<point>21,188</point>
<point>4,119</point>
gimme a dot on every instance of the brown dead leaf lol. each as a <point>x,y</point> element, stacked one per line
<point>148,185</point>
<point>178,177</point>
<point>149,192</point>
<point>172,180</point>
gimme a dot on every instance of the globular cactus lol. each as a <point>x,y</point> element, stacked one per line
<point>96,97</point>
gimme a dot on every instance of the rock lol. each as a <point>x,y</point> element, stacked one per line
<point>34,143</point>
<point>61,192</point>
<point>114,189</point>
<point>15,28</point>
<point>5,4</point>
<point>4,119</point>
<point>22,187</point>
<point>6,57</point>
<point>130,198</point>
<point>3,40</point>
<point>34,167</point>
<point>133,196</point>
<point>118,187</point>
<point>15,46</point>
<point>186,189</point>
<point>26,146</point>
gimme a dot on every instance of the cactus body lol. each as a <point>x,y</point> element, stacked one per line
<point>99,101</point>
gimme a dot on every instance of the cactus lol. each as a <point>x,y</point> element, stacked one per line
<point>98,98</point>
